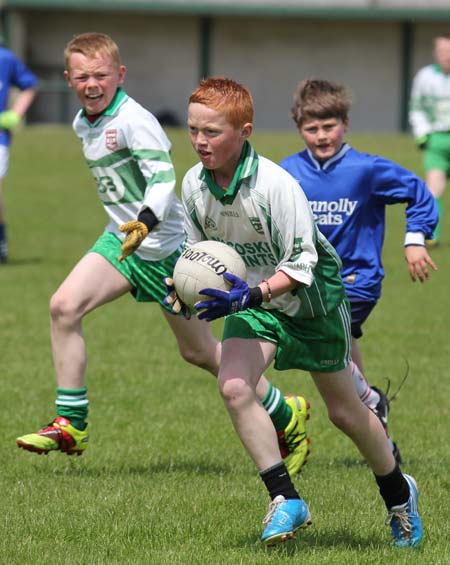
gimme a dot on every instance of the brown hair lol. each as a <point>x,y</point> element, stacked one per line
<point>227,96</point>
<point>320,99</point>
<point>92,44</point>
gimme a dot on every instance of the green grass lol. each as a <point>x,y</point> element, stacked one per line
<point>165,479</point>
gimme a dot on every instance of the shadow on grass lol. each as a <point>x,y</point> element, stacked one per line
<point>19,262</point>
<point>310,540</point>
<point>73,468</point>
<point>340,462</point>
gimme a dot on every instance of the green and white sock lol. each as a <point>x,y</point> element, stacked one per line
<point>279,411</point>
<point>73,404</point>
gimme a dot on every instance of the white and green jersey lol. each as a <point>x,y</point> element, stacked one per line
<point>267,219</point>
<point>430,101</point>
<point>129,156</point>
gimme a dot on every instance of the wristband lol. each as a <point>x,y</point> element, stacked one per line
<point>255,297</point>
<point>414,238</point>
<point>269,290</point>
<point>148,218</point>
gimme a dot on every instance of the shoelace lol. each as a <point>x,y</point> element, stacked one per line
<point>278,501</point>
<point>400,386</point>
<point>401,515</point>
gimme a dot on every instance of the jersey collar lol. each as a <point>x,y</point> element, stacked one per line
<point>119,98</point>
<point>247,165</point>
<point>438,69</point>
<point>326,164</point>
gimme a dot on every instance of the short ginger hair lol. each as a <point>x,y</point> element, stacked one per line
<point>226,96</point>
<point>320,99</point>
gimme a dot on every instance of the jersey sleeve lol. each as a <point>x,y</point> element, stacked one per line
<point>418,111</point>
<point>192,225</point>
<point>22,77</point>
<point>293,231</point>
<point>393,184</point>
<point>151,150</point>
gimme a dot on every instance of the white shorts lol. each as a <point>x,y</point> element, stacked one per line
<point>4,160</point>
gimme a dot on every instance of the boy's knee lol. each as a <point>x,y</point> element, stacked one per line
<point>204,357</point>
<point>201,354</point>
<point>195,356</point>
<point>63,307</point>
<point>235,392</point>
<point>340,418</point>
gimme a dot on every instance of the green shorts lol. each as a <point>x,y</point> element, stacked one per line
<point>319,344</point>
<point>146,277</point>
<point>437,152</point>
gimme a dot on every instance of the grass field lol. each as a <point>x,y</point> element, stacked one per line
<point>165,479</point>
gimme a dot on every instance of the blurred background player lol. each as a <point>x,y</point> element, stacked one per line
<point>129,156</point>
<point>429,118</point>
<point>13,73</point>
<point>348,192</point>
<point>295,313</point>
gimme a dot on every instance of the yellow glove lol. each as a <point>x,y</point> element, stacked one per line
<point>9,119</point>
<point>136,233</point>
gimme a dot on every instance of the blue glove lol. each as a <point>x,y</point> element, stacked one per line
<point>176,305</point>
<point>238,298</point>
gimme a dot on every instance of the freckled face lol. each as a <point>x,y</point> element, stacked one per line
<point>94,80</point>
<point>323,137</point>
<point>217,142</point>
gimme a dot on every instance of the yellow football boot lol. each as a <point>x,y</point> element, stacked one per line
<point>293,441</point>
<point>59,435</point>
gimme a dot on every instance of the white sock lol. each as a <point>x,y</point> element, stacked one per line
<point>369,396</point>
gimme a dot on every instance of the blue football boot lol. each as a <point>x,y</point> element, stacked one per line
<point>404,519</point>
<point>284,518</point>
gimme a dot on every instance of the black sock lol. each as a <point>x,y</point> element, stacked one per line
<point>278,481</point>
<point>394,488</point>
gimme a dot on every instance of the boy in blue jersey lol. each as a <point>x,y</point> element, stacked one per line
<point>13,73</point>
<point>348,193</point>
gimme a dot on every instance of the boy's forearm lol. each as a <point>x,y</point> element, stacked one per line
<point>276,285</point>
<point>23,101</point>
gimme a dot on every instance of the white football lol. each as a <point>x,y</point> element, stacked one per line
<point>202,266</point>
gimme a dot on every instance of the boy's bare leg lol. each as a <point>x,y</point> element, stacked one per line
<point>356,355</point>
<point>350,415</point>
<point>198,345</point>
<point>436,181</point>
<point>92,283</point>
<point>243,362</point>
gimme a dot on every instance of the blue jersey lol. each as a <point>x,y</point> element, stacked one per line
<point>348,195</point>
<point>12,73</point>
